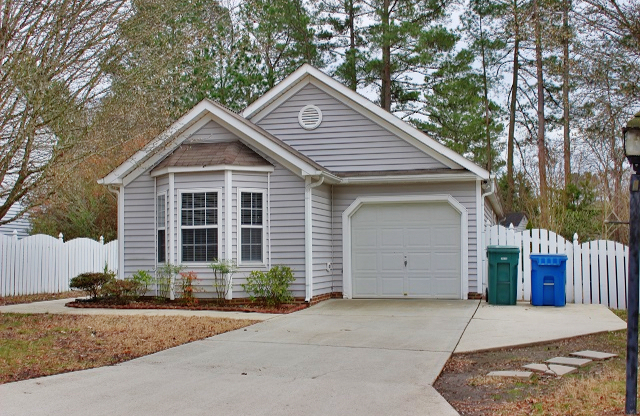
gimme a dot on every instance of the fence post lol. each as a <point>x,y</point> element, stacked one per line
<point>101,240</point>
<point>14,234</point>
<point>577,270</point>
<point>61,237</point>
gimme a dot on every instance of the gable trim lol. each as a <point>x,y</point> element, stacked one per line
<point>214,168</point>
<point>201,114</point>
<point>361,104</point>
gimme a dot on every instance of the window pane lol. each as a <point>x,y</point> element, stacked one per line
<point>198,200</point>
<point>212,200</point>
<point>212,217</point>
<point>160,210</point>
<point>251,246</point>
<point>187,200</point>
<point>161,246</point>
<point>198,217</point>
<point>187,217</point>
<point>245,216</point>
<point>245,198</point>
<point>257,200</point>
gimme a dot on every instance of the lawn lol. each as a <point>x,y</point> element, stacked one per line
<point>44,344</point>
<point>596,389</point>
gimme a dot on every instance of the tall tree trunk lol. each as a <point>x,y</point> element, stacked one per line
<point>351,57</point>
<point>512,108</point>
<point>565,94</point>
<point>385,96</point>
<point>542,153</point>
<point>487,115</point>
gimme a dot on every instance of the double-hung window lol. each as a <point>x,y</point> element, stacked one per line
<point>199,226</point>
<point>161,227</point>
<point>251,226</point>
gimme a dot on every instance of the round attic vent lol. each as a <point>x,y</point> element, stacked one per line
<point>310,117</point>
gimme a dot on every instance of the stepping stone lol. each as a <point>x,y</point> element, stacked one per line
<point>576,362</point>
<point>518,374</point>
<point>561,370</point>
<point>540,368</point>
<point>594,355</point>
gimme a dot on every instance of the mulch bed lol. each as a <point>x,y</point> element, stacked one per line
<point>200,306</point>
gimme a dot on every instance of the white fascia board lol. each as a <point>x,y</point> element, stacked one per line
<point>195,169</point>
<point>209,111</point>
<point>116,176</point>
<point>438,177</point>
<point>358,102</point>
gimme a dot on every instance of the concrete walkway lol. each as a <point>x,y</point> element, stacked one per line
<point>497,326</point>
<point>360,357</point>
<point>57,306</point>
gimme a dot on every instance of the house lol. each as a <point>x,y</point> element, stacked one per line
<point>20,227</point>
<point>518,220</point>
<point>314,176</point>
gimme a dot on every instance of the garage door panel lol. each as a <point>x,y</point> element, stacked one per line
<point>365,261</point>
<point>390,262</point>
<point>426,235</point>
<point>418,261</point>
<point>365,237</point>
<point>391,238</point>
<point>392,285</point>
<point>419,237</point>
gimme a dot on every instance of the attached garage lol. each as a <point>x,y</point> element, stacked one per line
<point>409,248</point>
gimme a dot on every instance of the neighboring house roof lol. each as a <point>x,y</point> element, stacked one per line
<point>265,143</point>
<point>233,153</point>
<point>514,218</point>
<point>307,73</point>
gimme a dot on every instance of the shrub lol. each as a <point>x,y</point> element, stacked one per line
<point>272,287</point>
<point>91,282</point>
<point>144,279</point>
<point>164,279</point>
<point>187,280</point>
<point>222,272</point>
<point>120,290</point>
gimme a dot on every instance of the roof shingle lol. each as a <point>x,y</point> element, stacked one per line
<point>234,153</point>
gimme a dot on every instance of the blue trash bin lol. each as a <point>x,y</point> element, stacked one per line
<point>548,279</point>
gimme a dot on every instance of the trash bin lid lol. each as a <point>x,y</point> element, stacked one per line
<point>550,256</point>
<point>503,249</point>
<point>548,259</point>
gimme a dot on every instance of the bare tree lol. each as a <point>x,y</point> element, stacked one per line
<point>51,56</point>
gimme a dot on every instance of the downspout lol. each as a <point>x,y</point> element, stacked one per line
<point>308,236</point>
<point>491,190</point>
<point>118,191</point>
<point>269,219</point>
<point>172,248</point>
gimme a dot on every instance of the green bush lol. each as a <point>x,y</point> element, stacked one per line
<point>272,287</point>
<point>144,279</point>
<point>91,282</point>
<point>120,290</point>
<point>222,273</point>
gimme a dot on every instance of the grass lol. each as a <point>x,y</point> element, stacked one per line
<point>44,344</point>
<point>13,300</point>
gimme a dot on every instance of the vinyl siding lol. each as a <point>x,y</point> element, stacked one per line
<point>139,225</point>
<point>210,133</point>
<point>464,192</point>
<point>322,240</point>
<point>489,215</point>
<point>345,140</point>
<point>21,226</point>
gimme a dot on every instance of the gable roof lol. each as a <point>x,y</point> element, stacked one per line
<point>233,153</point>
<point>156,150</point>
<point>514,218</point>
<point>307,73</point>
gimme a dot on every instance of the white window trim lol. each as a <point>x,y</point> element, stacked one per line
<point>165,228</point>
<point>239,227</point>
<point>347,290</point>
<point>219,225</point>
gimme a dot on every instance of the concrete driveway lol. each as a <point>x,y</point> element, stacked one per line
<point>355,357</point>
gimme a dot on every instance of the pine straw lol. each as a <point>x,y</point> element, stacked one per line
<point>13,300</point>
<point>39,345</point>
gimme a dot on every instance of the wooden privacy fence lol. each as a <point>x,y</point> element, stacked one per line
<point>44,264</point>
<point>596,270</point>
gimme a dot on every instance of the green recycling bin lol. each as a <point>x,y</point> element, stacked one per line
<point>503,274</point>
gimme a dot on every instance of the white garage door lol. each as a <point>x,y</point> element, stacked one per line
<point>406,250</point>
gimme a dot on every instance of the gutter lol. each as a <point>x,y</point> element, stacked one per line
<point>308,236</point>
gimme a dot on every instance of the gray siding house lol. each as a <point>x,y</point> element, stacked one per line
<point>314,176</point>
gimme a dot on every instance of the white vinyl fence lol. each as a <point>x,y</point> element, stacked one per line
<point>44,264</point>
<point>596,270</point>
